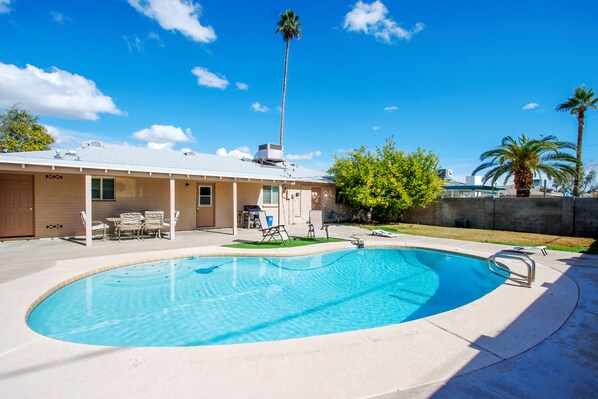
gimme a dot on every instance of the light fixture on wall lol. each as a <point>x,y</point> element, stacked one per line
<point>187,184</point>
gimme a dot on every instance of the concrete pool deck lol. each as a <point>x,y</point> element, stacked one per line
<point>514,342</point>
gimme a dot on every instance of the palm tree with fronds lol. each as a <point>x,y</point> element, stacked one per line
<point>290,27</point>
<point>525,158</point>
<point>581,101</point>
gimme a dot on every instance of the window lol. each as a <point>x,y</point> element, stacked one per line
<point>270,195</point>
<point>205,196</point>
<point>339,197</point>
<point>102,188</point>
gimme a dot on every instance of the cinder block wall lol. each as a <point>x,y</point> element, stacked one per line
<point>559,216</point>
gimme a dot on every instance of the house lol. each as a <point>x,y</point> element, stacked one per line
<point>472,188</point>
<point>43,192</point>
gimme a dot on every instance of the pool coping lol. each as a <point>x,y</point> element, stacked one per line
<point>448,343</point>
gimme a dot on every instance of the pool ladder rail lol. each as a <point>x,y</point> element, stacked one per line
<point>504,271</point>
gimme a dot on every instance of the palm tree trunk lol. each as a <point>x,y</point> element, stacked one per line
<point>524,179</point>
<point>284,89</point>
<point>580,123</point>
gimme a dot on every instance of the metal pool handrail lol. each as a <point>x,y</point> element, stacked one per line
<point>498,269</point>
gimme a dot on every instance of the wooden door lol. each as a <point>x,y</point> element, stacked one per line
<point>205,215</point>
<point>16,206</point>
<point>316,198</point>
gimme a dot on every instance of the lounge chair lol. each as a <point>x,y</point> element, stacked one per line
<point>316,223</point>
<point>272,232</point>
<point>528,250</point>
<point>154,222</point>
<point>96,225</point>
<point>384,233</point>
<point>129,221</point>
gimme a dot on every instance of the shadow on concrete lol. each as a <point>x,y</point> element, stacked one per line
<point>564,365</point>
<point>66,360</point>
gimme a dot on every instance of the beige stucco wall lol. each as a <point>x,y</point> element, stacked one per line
<point>58,199</point>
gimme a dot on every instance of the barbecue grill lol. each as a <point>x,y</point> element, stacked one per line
<point>251,216</point>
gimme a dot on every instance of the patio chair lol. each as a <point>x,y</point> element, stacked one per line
<point>129,221</point>
<point>154,223</point>
<point>272,232</point>
<point>96,225</point>
<point>166,225</point>
<point>316,223</point>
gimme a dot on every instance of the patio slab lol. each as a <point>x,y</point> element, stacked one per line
<point>513,328</point>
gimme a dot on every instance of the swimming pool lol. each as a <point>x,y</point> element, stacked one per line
<point>226,300</point>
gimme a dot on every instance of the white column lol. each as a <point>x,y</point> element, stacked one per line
<point>235,210</point>
<point>88,214</point>
<point>280,209</point>
<point>172,210</point>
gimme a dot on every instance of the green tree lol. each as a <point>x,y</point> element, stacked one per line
<point>19,131</point>
<point>525,158</point>
<point>586,184</point>
<point>387,182</point>
<point>290,27</point>
<point>581,101</point>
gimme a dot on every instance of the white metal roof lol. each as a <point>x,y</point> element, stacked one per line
<point>139,159</point>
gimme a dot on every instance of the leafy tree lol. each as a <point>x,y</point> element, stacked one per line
<point>387,182</point>
<point>523,158</point>
<point>290,27</point>
<point>19,131</point>
<point>587,183</point>
<point>581,101</point>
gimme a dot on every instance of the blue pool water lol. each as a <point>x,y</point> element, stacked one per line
<point>226,300</point>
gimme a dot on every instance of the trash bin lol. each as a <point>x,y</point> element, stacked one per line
<point>462,223</point>
<point>270,220</point>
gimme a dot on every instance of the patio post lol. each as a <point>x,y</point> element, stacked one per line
<point>235,222</point>
<point>88,214</point>
<point>172,210</point>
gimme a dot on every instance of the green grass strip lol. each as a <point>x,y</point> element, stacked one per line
<point>293,242</point>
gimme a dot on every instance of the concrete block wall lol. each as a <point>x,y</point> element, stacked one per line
<point>558,216</point>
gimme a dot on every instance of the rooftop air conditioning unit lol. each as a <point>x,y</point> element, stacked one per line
<point>445,173</point>
<point>269,153</point>
<point>94,143</point>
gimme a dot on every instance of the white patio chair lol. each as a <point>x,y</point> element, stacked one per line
<point>316,223</point>
<point>154,222</point>
<point>272,232</point>
<point>129,221</point>
<point>96,225</point>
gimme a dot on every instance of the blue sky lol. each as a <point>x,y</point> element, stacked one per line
<point>450,77</point>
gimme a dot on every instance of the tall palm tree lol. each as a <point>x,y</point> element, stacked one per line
<point>525,158</point>
<point>581,101</point>
<point>290,27</point>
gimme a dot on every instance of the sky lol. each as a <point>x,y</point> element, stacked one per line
<point>451,77</point>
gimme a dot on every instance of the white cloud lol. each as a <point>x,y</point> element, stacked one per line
<point>164,136</point>
<point>304,157</point>
<point>209,79</point>
<point>257,107</point>
<point>239,152</point>
<point>4,9</point>
<point>186,149</point>
<point>372,19</point>
<point>242,86</point>
<point>392,108</point>
<point>375,128</point>
<point>68,138</point>
<point>56,93</point>
<point>134,43</point>
<point>156,38</point>
<point>180,15</point>
<point>59,17</point>
<point>530,106</point>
